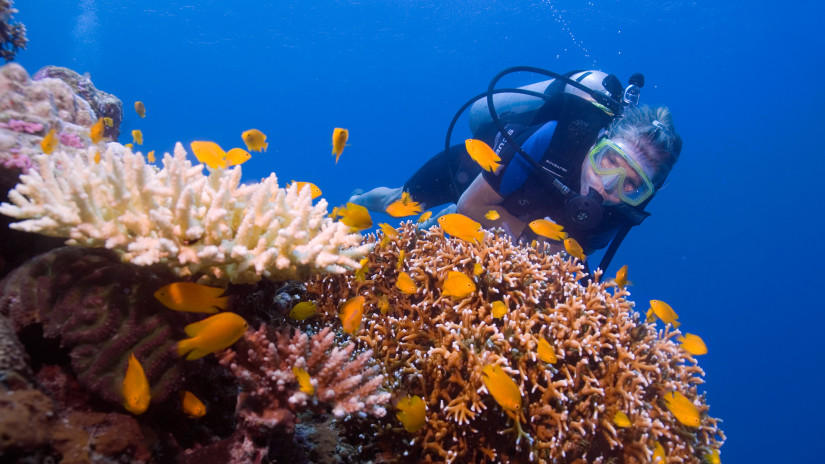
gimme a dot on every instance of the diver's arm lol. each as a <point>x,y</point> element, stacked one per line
<point>479,198</point>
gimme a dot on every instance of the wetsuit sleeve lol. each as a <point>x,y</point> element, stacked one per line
<point>514,169</point>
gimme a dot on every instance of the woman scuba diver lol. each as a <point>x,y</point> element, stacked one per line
<point>576,149</point>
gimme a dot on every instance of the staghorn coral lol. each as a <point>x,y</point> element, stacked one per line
<point>211,226</point>
<point>435,347</point>
<point>12,33</point>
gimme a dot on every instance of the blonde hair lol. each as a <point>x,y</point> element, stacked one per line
<point>651,131</point>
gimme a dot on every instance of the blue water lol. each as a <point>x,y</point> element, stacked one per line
<point>734,241</point>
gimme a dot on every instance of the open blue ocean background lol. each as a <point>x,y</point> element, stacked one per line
<point>734,243</point>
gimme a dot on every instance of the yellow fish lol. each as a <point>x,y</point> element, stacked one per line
<point>693,344</point>
<point>137,137</point>
<point>574,249</point>
<point>151,156</point>
<point>255,140</point>
<point>97,156</point>
<point>336,212</point>
<point>303,310</point>
<point>477,269</point>
<point>304,382</point>
<point>659,456</point>
<point>546,352</point>
<point>191,405</point>
<point>388,230</point>
<point>209,153</point>
<point>664,312</point>
<point>108,121</point>
<point>621,277</point>
<point>682,408</point>
<point>355,216</point>
<point>135,388</point>
<point>406,284</point>
<point>499,309</point>
<point>404,206</point>
<point>361,273</point>
<point>412,413</point>
<point>211,334</point>
<point>548,229</point>
<point>49,142</point>
<point>140,108</point>
<point>383,304</point>
<point>492,215</point>
<point>713,457</point>
<point>400,259</point>
<point>96,131</point>
<point>236,157</point>
<point>314,191</point>
<point>351,313</point>
<point>192,298</point>
<point>129,146</point>
<point>620,419</point>
<point>339,141</point>
<point>503,389</point>
<point>426,215</point>
<point>482,154</point>
<point>458,285</point>
<point>460,226</point>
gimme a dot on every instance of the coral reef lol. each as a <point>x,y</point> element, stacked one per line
<point>436,346</point>
<point>210,227</point>
<point>12,33</point>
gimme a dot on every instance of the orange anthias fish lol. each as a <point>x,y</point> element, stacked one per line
<point>621,277</point>
<point>303,310</point>
<point>96,131</point>
<point>151,156</point>
<point>478,269</point>
<point>192,298</point>
<point>548,229</point>
<point>351,313</point>
<point>137,137</point>
<point>97,156</point>
<point>49,142</point>
<point>492,215</point>
<point>412,413</point>
<point>191,405</point>
<point>458,285</point>
<point>384,304</point>
<point>304,382</point>
<point>388,230</point>
<point>355,216</point>
<point>255,140</point>
<point>620,419</point>
<point>108,121</point>
<point>404,206</point>
<point>664,312</point>
<point>406,284</point>
<point>361,273</point>
<point>503,389</point>
<point>209,153</point>
<point>693,344</point>
<point>460,226</point>
<point>236,157</point>
<point>574,249</point>
<point>211,334</point>
<point>314,191</point>
<point>135,388</point>
<point>140,109</point>
<point>546,352</point>
<point>482,154</point>
<point>499,309</point>
<point>713,457</point>
<point>339,141</point>
<point>426,215</point>
<point>659,456</point>
<point>682,408</point>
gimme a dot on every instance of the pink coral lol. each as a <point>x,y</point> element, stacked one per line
<point>18,125</point>
<point>71,139</point>
<point>17,161</point>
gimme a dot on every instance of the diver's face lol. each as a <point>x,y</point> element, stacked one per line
<point>608,186</point>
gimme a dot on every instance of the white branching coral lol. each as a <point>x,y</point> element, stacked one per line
<point>212,227</point>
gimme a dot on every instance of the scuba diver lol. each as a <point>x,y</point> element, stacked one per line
<point>576,149</point>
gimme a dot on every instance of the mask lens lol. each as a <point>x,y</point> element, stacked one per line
<point>612,164</point>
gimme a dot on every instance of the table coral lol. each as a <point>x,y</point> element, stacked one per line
<point>436,347</point>
<point>211,227</point>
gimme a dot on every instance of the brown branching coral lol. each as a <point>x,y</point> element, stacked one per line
<point>12,33</point>
<point>435,347</point>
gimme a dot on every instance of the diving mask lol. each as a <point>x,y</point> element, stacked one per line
<point>620,173</point>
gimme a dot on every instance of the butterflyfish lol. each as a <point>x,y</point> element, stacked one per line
<point>404,206</point>
<point>209,153</point>
<point>503,389</point>
<point>339,141</point>
<point>304,382</point>
<point>546,352</point>
<point>140,108</point>
<point>351,313</point>
<point>424,216</point>
<point>659,455</point>
<point>355,216</point>
<point>482,154</point>
<point>574,249</point>
<point>682,408</point>
<point>151,156</point>
<point>314,191</point>
<point>135,387</point>
<point>108,121</point>
<point>458,285</point>
<point>492,215</point>
<point>499,309</point>
<point>664,312</point>
<point>621,277</point>
<point>211,334</point>
<point>477,269</point>
<point>548,229</point>
<point>693,344</point>
<point>255,140</point>
<point>411,413</point>
<point>713,457</point>
<point>49,142</point>
<point>191,405</point>
<point>192,298</point>
<point>406,284</point>
<point>137,137</point>
<point>96,131</point>
<point>460,226</point>
<point>303,310</point>
<point>236,157</point>
<point>620,419</point>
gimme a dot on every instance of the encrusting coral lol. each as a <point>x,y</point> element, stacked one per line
<point>436,347</point>
<point>211,227</point>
